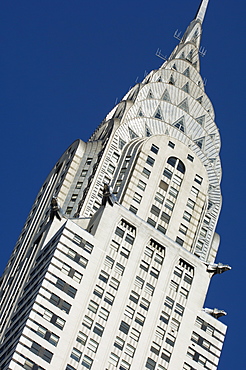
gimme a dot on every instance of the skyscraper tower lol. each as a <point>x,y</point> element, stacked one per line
<point>113,264</point>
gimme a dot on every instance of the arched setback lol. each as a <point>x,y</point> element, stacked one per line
<point>172,197</point>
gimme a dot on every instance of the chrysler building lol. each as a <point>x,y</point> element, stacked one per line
<point>113,264</point>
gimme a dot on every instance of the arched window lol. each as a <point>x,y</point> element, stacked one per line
<point>176,163</point>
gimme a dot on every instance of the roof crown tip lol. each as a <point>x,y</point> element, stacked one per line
<point>202,10</point>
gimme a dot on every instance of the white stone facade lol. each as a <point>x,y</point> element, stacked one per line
<point>123,286</point>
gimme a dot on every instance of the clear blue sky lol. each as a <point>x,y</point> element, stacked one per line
<point>63,65</point>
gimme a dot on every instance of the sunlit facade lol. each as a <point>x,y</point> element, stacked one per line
<point>122,285</point>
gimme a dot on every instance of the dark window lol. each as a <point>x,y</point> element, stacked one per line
<point>165,217</point>
<point>151,222</point>
<point>181,167</point>
<point>119,232</point>
<point>154,149</point>
<point>146,172</point>
<point>179,241</point>
<point>150,161</point>
<point>98,329</point>
<point>155,210</point>
<point>150,364</point>
<point>163,185</point>
<point>167,173</point>
<point>124,327</point>
<point>190,158</point>
<point>172,145</point>
<point>172,161</point>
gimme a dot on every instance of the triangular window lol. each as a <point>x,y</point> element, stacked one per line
<point>195,64</point>
<point>140,113</point>
<point>180,124</point>
<point>195,36</point>
<point>171,81</point>
<point>201,120</point>
<point>174,67</point>
<point>166,96</point>
<point>182,56</point>
<point>159,79</point>
<point>121,143</point>
<point>158,113</point>
<point>200,142</point>
<point>187,72</point>
<point>132,133</point>
<point>186,88</point>
<point>148,133</point>
<point>190,56</point>
<point>150,95</point>
<point>184,105</point>
<point>200,99</point>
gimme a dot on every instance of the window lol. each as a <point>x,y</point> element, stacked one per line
<point>150,364</point>
<point>119,343</point>
<point>103,313</point>
<point>177,180</point>
<point>161,229</point>
<point>169,204</point>
<point>149,289</point>
<point>87,362</point>
<point>84,173</point>
<point>169,302</point>
<point>160,332</point>
<point>165,217</point>
<point>74,197</point>
<point>150,161</point>
<point>135,334</point>
<point>113,359</point>
<point>93,307</point>
<point>173,192</point>
<point>124,365</point>
<point>88,247</point>
<point>155,348</point>
<point>119,269</point>
<point>181,167</point>
<point>187,216</point>
<point>139,282</point>
<point>98,329</point>
<point>163,185</point>
<point>119,232</point>
<point>109,262</point>
<point>151,222</point>
<point>154,272</point>
<point>172,161</point>
<point>159,198</point>
<point>190,158</point>
<point>170,339</point>
<point>188,279</point>
<point>173,285</point>
<point>104,276</point>
<point>81,338</point>
<point>203,232</point>
<point>77,276</point>
<point>141,185</point>
<point>154,149</point>
<point>139,319</point>
<point>129,350</point>
<point>198,179</point>
<point>134,297</point>
<point>124,327</point>
<point>109,298</point>
<point>144,304</point>
<point>133,209</point>
<point>191,204</point>
<point>158,258</point>
<point>88,160</point>
<point>194,191</point>
<point>172,145</point>
<point>183,229</point>
<point>146,173</point>
<point>41,352</point>
<point>167,173</point>
<point>184,292</point>
<point>114,245</point>
<point>76,354</point>
<point>114,283</point>
<point>87,322</point>
<point>174,324</point>
<point>179,309</point>
<point>155,210</point>
<point>179,241</point>
<point>166,355</point>
<point>144,266</point>
<point>129,312</point>
<point>115,157</point>
<point>111,168</point>
<point>92,345</point>
<point>129,239</point>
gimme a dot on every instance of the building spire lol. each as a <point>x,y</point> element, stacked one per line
<point>202,10</point>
